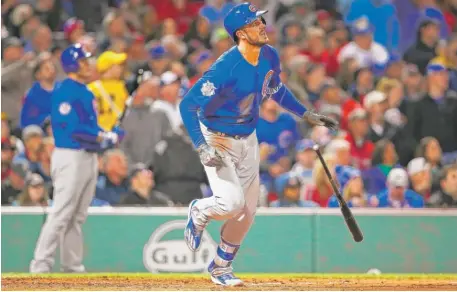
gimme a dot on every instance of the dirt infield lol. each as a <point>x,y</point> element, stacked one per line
<point>121,282</point>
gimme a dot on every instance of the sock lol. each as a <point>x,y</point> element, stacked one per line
<point>226,252</point>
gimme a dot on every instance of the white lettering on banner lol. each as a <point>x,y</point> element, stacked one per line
<point>173,255</point>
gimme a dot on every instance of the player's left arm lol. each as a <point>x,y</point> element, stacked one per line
<point>284,97</point>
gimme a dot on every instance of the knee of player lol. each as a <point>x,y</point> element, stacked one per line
<point>233,205</point>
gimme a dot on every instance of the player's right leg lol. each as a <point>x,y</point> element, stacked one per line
<point>65,171</point>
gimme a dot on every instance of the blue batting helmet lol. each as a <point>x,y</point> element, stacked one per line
<point>70,57</point>
<point>241,15</point>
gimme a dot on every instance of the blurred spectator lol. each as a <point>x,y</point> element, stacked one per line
<point>384,159</point>
<point>216,10</point>
<point>446,196</point>
<point>324,20</point>
<point>293,32</point>
<point>430,149</point>
<point>376,105</point>
<point>33,137</point>
<point>37,101</point>
<point>169,98</point>
<point>50,13</point>
<point>321,189</point>
<point>361,147</point>
<point>290,195</point>
<point>141,193</point>
<point>317,51</point>
<point>114,26</point>
<point>395,67</point>
<point>346,74</point>
<point>435,114</point>
<point>199,32</point>
<point>278,130</point>
<point>34,194</point>
<point>220,41</point>
<point>383,16</point>
<point>449,60</point>
<point>139,142</point>
<point>363,49</point>
<point>14,184</point>
<point>397,194</point>
<point>449,9</point>
<point>182,11</point>
<point>300,12</point>
<point>7,135</point>
<point>73,30</point>
<point>16,77</point>
<point>178,172</point>
<point>159,60</point>
<point>137,55</point>
<point>18,17</point>
<point>413,83</point>
<point>112,184</point>
<point>41,39</point>
<point>420,176</point>
<point>8,150</point>
<point>110,91</point>
<point>424,49</point>
<point>135,13</point>
<point>351,187</point>
<point>331,99</point>
<point>314,80</point>
<point>341,150</point>
<point>363,83</point>
<point>203,63</point>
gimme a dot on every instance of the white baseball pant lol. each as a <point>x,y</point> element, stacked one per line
<point>235,186</point>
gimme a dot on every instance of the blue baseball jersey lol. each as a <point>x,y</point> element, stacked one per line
<point>73,116</point>
<point>37,106</point>
<point>227,97</point>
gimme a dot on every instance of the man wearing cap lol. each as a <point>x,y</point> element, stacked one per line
<point>220,41</point>
<point>110,91</point>
<point>141,192</point>
<point>168,101</point>
<point>361,147</point>
<point>424,49</point>
<point>363,48</point>
<point>413,83</point>
<point>397,194</point>
<point>375,103</point>
<point>420,174</point>
<point>448,59</point>
<point>435,114</point>
<point>32,136</point>
<point>221,113</point>
<point>73,30</point>
<point>15,183</point>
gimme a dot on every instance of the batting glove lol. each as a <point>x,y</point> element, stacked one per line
<point>109,139</point>
<point>316,119</point>
<point>209,156</point>
<point>120,133</point>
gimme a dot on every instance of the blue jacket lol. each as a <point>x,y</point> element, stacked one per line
<point>108,192</point>
<point>37,106</point>
<point>411,200</point>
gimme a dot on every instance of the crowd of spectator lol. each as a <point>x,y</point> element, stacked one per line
<point>386,70</point>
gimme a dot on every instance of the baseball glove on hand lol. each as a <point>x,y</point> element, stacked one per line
<point>316,119</point>
<point>209,156</point>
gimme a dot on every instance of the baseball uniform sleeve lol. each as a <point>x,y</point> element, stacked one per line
<point>278,91</point>
<point>87,129</point>
<point>203,96</point>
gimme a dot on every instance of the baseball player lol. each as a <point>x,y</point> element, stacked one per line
<point>74,165</point>
<point>220,113</point>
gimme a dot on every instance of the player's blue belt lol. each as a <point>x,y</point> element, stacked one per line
<point>237,137</point>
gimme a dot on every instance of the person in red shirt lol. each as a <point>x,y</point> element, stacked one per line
<point>317,51</point>
<point>361,148</point>
<point>182,11</point>
<point>320,190</point>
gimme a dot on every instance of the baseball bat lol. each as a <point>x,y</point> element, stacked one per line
<point>347,214</point>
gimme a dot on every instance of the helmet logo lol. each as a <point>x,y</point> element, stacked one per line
<point>252,8</point>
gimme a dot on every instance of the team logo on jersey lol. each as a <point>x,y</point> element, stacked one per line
<point>64,108</point>
<point>266,90</point>
<point>252,8</point>
<point>208,89</point>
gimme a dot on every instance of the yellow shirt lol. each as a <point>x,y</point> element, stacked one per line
<point>107,116</point>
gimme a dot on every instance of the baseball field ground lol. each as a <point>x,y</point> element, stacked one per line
<point>257,282</point>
